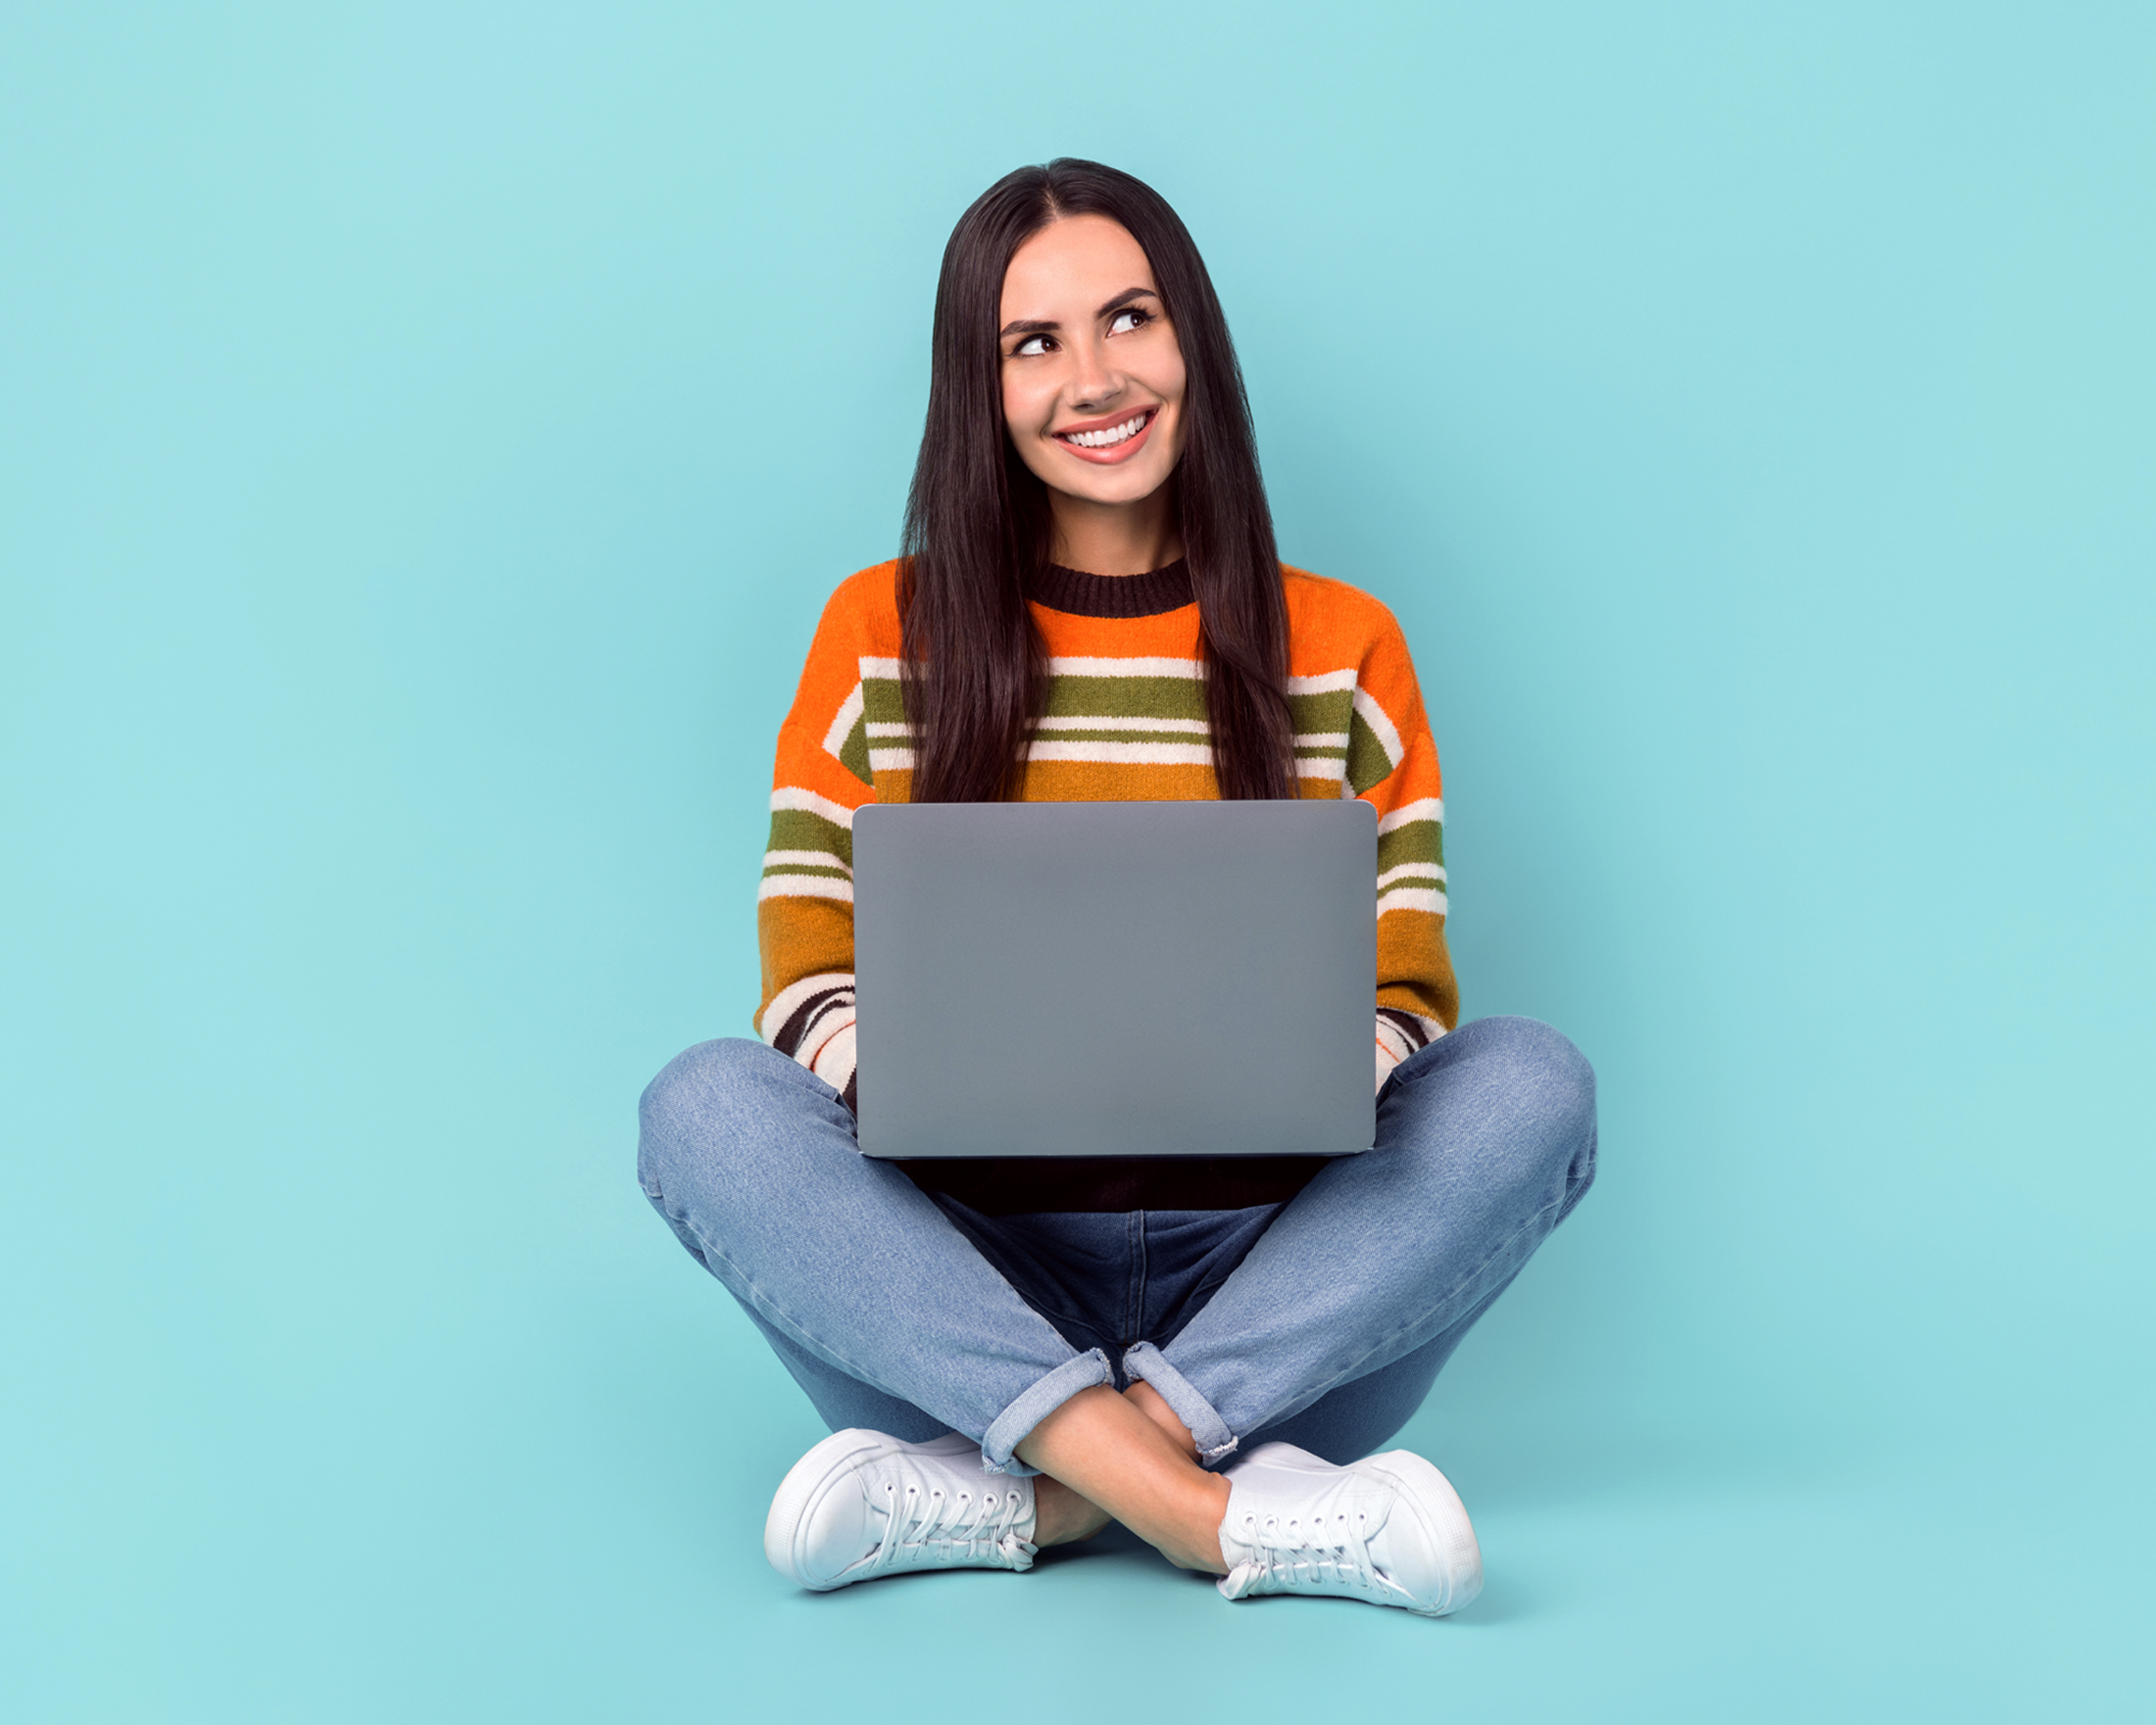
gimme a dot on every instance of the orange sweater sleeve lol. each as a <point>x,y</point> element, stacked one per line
<point>1392,765</point>
<point>805,901</point>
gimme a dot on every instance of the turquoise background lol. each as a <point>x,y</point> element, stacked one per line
<point>427,436</point>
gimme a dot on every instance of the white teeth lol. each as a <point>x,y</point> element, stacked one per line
<point>1114,434</point>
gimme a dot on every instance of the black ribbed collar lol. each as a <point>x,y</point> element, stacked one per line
<point>1084,595</point>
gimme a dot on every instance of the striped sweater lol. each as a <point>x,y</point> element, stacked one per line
<point>1124,721</point>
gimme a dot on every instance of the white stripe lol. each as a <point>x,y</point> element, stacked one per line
<point>1320,767</point>
<point>1411,898</point>
<point>1373,715</point>
<point>886,670</point>
<point>1188,669</point>
<point>1392,1040</point>
<point>1325,683</point>
<point>802,801</point>
<point>1410,871</point>
<point>1079,721</point>
<point>1321,739</point>
<point>842,726</point>
<point>1124,754</point>
<point>834,1057</point>
<point>825,859</point>
<point>804,886</point>
<point>1423,809</point>
<point>820,1035</point>
<point>787,1000</point>
<point>879,727</point>
<point>890,760</point>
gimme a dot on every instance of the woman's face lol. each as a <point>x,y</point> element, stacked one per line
<point>1092,373</point>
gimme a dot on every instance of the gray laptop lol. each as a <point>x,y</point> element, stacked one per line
<point>1114,978</point>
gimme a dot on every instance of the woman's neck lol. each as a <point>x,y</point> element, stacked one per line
<point>1114,538</point>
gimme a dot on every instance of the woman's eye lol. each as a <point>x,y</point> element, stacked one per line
<point>1131,318</point>
<point>1029,347</point>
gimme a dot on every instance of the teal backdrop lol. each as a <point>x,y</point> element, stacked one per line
<point>427,436</point>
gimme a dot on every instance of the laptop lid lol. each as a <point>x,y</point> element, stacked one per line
<point>1114,978</point>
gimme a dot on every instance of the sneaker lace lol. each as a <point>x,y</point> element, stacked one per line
<point>1291,1553</point>
<point>926,1509</point>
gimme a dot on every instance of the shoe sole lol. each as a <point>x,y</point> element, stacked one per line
<point>809,1481</point>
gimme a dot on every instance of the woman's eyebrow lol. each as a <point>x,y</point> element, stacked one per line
<point>1125,298</point>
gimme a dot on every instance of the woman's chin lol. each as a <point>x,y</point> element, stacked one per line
<point>1111,487</point>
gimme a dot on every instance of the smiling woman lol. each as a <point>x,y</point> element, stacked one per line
<point>1012,1353</point>
<point>1072,301</point>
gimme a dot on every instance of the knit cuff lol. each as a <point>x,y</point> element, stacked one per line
<point>1399,1034</point>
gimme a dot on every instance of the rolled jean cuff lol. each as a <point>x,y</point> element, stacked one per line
<point>1214,1441</point>
<point>1036,1405</point>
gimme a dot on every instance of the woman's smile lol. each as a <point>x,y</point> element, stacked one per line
<point>1105,442</point>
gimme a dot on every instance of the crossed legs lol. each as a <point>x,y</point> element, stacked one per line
<point>1107,1457</point>
<point>1327,1333</point>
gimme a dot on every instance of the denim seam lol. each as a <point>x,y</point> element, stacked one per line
<point>1134,1287</point>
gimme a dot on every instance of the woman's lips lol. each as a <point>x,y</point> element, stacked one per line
<point>1108,454</point>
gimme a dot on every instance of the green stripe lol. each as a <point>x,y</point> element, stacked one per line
<point>795,868</point>
<point>1321,713</point>
<point>1368,762</point>
<point>1125,698</point>
<point>853,752</point>
<point>1420,841</point>
<point>1112,732</point>
<point>882,701</point>
<point>798,829</point>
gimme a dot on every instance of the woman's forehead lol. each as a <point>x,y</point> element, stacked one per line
<point>1087,259</point>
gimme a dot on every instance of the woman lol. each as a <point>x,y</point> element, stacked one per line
<point>1010,1355</point>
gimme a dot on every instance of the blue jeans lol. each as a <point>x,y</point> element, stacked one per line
<point>1321,1322</point>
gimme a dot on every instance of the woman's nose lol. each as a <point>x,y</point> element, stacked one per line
<point>1095,383</point>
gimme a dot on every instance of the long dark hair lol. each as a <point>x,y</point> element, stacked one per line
<point>978,522</point>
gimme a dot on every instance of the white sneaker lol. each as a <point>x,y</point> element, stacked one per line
<point>1390,1529</point>
<point>860,1505</point>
